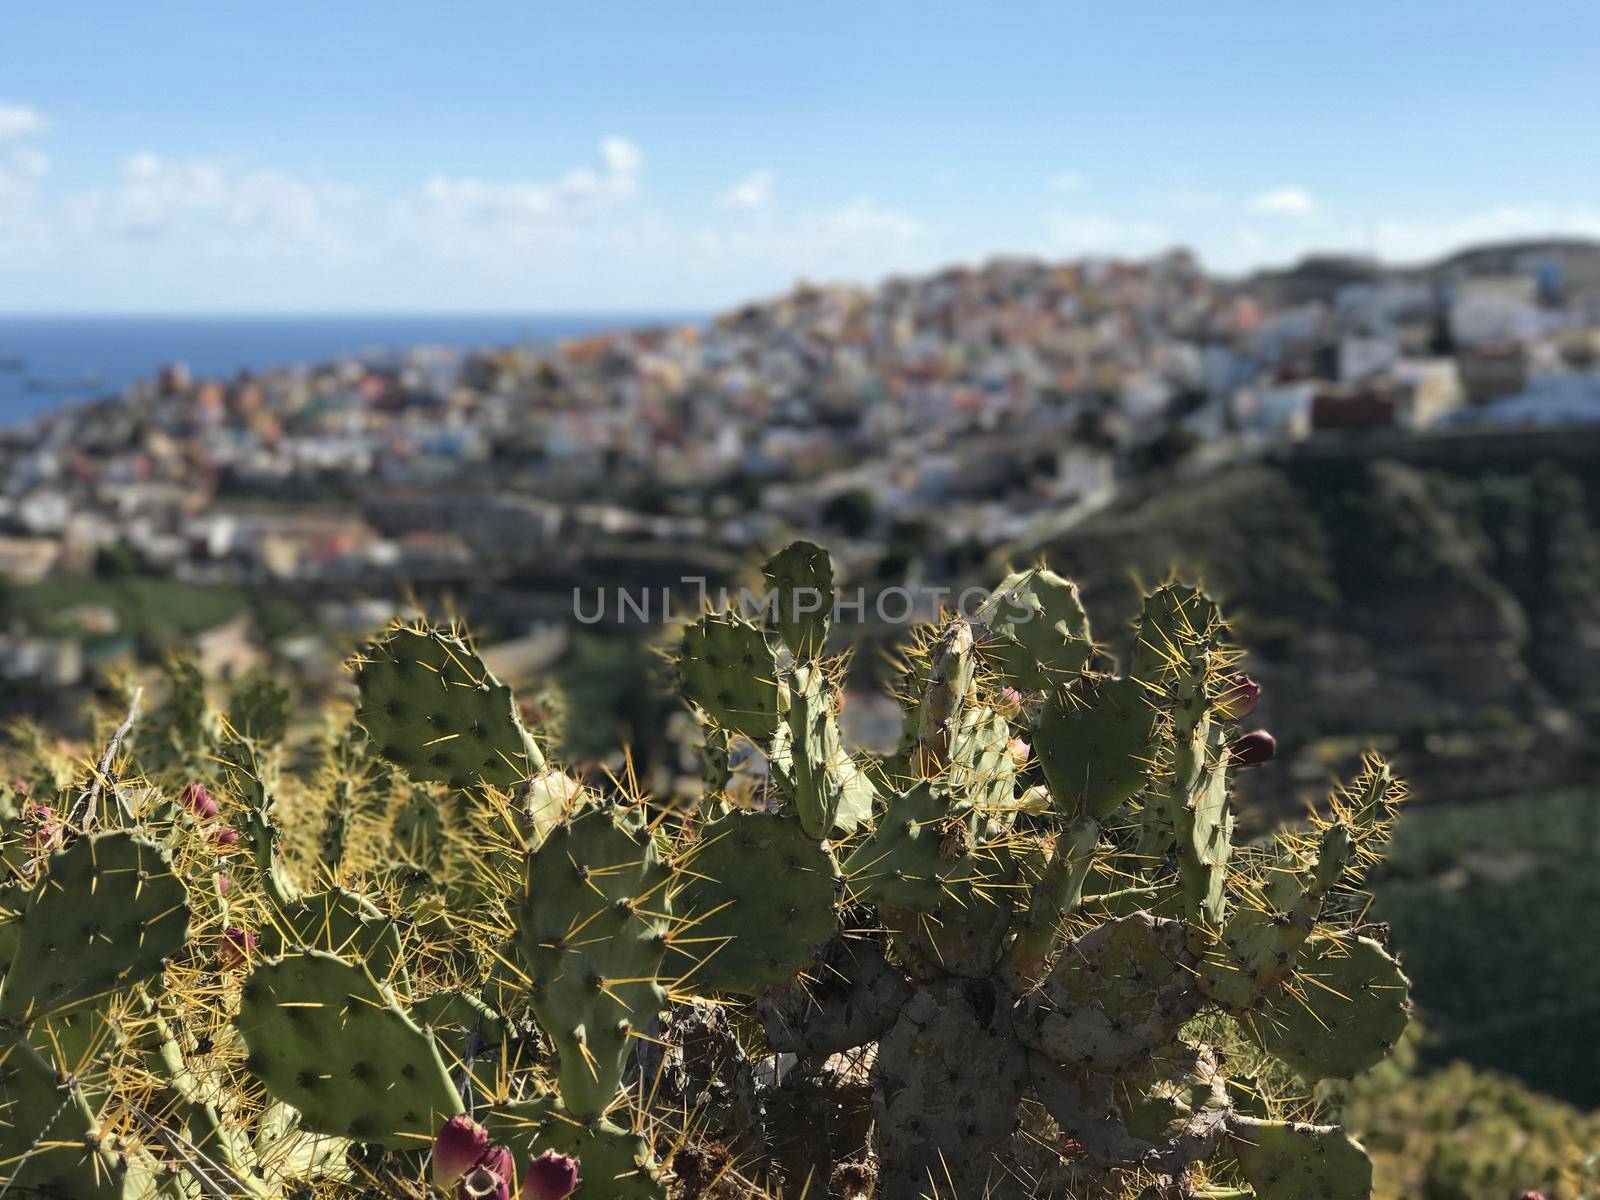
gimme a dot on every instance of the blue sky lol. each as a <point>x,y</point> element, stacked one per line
<point>683,155</point>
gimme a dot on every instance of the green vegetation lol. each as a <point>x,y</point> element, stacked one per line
<point>1486,900</point>
<point>1462,1134</point>
<point>155,611</point>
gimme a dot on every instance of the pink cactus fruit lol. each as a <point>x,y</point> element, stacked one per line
<point>551,1176</point>
<point>490,1178</point>
<point>197,800</point>
<point>458,1146</point>
<point>1240,697</point>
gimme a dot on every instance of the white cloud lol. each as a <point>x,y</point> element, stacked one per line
<point>20,121</point>
<point>621,156</point>
<point>1285,202</point>
<point>1066,181</point>
<point>218,207</point>
<point>577,193</point>
<point>752,192</point>
<point>1072,233</point>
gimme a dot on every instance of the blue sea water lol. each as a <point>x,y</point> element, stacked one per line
<point>48,361</point>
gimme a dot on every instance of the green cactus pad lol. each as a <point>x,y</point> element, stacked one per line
<point>613,1163</point>
<point>1115,995</point>
<point>1177,626</point>
<point>1264,933</point>
<point>259,826</point>
<point>920,856</point>
<point>758,897</point>
<point>324,1037</point>
<point>342,923</point>
<point>800,577</point>
<point>1097,745</point>
<point>592,932</point>
<point>1342,1011</point>
<point>107,914</point>
<point>982,771</point>
<point>1286,1161</point>
<point>728,669</point>
<point>259,709</point>
<point>1205,836</point>
<point>431,707</point>
<point>1038,634</point>
<point>45,1130</point>
<point>831,794</point>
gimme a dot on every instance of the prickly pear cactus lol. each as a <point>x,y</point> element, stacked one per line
<point>1019,957</point>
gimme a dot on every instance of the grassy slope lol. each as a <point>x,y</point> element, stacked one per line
<point>1493,906</point>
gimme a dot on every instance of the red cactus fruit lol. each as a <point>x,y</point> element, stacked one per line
<point>458,1146</point>
<point>491,1178</point>
<point>1253,748</point>
<point>236,947</point>
<point>551,1176</point>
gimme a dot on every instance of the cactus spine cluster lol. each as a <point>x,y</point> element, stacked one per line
<point>1023,956</point>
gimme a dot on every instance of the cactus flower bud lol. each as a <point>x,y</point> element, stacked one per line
<point>1240,697</point>
<point>460,1143</point>
<point>236,947</point>
<point>551,1176</point>
<point>1531,1196</point>
<point>223,838</point>
<point>197,800</point>
<point>490,1178</point>
<point>1019,751</point>
<point>1252,749</point>
<point>1009,702</point>
<point>223,884</point>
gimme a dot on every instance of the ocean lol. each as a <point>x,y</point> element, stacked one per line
<point>48,361</point>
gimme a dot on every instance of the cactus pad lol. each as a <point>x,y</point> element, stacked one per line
<point>1342,1011</point>
<point>1115,995</point>
<point>592,932</point>
<point>107,914</point>
<point>800,577</point>
<point>758,897</point>
<point>324,1037</point>
<point>728,669</point>
<point>430,706</point>
<point>342,923</point>
<point>1265,932</point>
<point>1038,634</point>
<point>920,856</point>
<point>831,794</point>
<point>1097,745</point>
<point>1177,627</point>
<point>45,1132</point>
<point>982,770</point>
<point>1286,1161</point>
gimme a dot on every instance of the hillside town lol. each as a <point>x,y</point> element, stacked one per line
<point>921,422</point>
